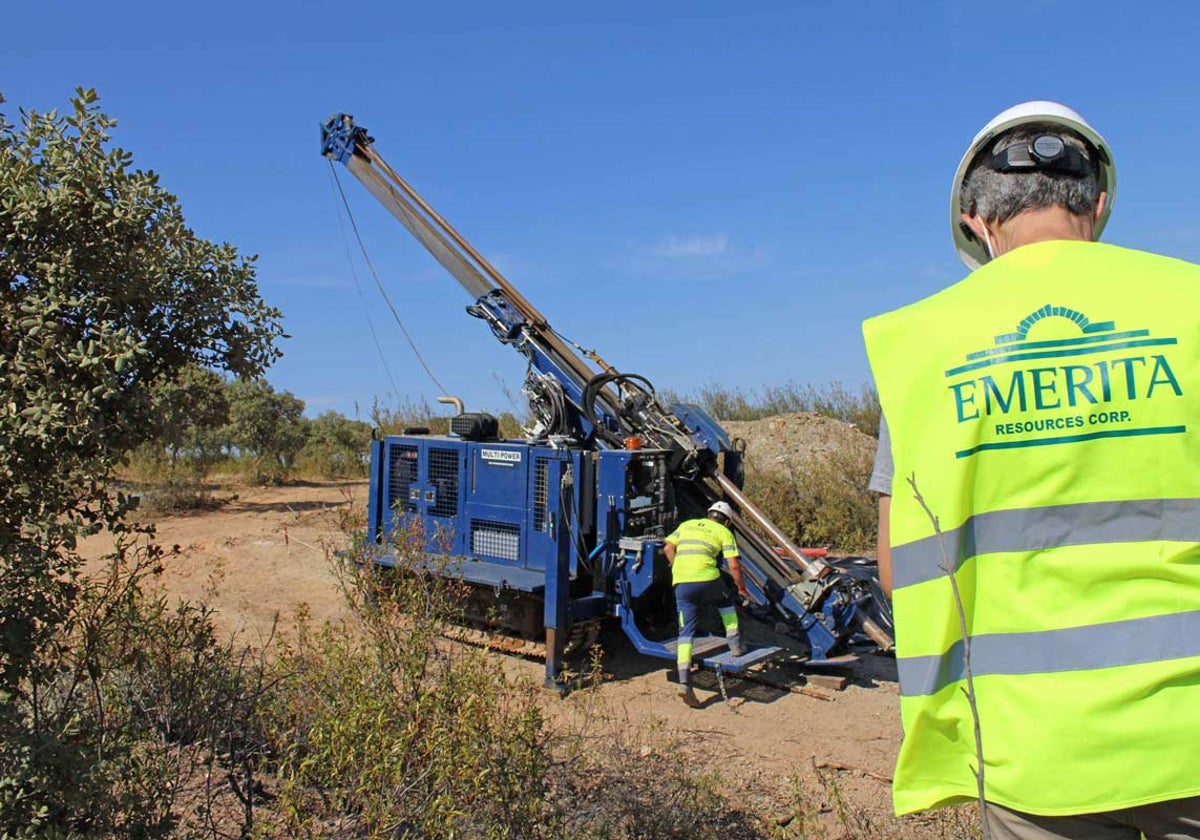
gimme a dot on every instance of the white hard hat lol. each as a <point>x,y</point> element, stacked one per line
<point>722,508</point>
<point>970,250</point>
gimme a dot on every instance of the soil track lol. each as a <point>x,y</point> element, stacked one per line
<point>265,552</point>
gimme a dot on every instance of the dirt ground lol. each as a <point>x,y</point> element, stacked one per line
<point>265,552</point>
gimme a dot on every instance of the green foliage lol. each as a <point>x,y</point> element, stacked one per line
<point>336,447</point>
<point>104,293</point>
<point>188,409</point>
<point>267,424</point>
<point>384,731</point>
<point>834,400</point>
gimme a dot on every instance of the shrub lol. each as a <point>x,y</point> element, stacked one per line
<point>143,709</point>
<point>826,504</point>
<point>336,447</point>
<point>385,730</point>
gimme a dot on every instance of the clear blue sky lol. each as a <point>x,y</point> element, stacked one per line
<point>704,192</point>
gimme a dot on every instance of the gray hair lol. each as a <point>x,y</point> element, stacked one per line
<point>999,196</point>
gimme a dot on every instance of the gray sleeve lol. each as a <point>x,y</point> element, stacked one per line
<point>881,476</point>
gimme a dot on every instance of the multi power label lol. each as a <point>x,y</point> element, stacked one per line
<point>500,456</point>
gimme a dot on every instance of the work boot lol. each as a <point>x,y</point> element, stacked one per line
<point>688,696</point>
<point>736,646</point>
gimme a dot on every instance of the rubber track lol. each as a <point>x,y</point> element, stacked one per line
<point>583,636</point>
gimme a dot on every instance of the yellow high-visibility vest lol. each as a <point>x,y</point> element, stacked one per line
<point>1047,408</point>
<point>699,545</point>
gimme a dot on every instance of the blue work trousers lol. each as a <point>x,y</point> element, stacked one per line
<point>691,598</point>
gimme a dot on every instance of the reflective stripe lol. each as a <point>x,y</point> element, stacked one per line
<point>699,548</point>
<point>1030,529</point>
<point>1156,638</point>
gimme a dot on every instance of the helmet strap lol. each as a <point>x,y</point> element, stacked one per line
<point>1044,153</point>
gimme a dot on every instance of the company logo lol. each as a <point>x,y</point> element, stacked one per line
<point>500,456</point>
<point>1088,380</point>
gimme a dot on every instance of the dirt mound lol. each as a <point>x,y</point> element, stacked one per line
<point>791,443</point>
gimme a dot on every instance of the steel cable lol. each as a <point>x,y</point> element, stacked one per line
<point>379,285</point>
<point>357,285</point>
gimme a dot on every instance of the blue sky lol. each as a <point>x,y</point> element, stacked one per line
<point>704,192</point>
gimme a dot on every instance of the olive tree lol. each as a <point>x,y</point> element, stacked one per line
<point>337,446</point>
<point>268,425</point>
<point>189,409</point>
<point>104,292</point>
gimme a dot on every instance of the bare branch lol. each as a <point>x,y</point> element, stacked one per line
<point>947,567</point>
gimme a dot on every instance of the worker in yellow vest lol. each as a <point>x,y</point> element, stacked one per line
<point>1046,411</point>
<point>694,551</point>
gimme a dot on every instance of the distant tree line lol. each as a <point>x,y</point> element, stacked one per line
<point>204,422</point>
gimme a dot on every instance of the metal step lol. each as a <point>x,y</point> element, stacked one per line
<point>713,652</point>
<point>731,664</point>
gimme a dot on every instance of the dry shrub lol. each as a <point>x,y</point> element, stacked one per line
<point>410,414</point>
<point>809,475</point>
<point>180,495</point>
<point>614,779</point>
<point>826,504</point>
<point>383,729</point>
<point>818,809</point>
<point>144,725</point>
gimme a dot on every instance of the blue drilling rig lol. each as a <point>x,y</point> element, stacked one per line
<point>562,529</point>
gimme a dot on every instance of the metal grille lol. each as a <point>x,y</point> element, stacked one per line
<point>403,472</point>
<point>443,477</point>
<point>541,468</point>
<point>501,540</point>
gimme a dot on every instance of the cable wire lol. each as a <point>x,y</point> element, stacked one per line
<point>583,558</point>
<point>358,286</point>
<point>379,285</point>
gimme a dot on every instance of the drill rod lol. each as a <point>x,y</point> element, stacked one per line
<point>814,568</point>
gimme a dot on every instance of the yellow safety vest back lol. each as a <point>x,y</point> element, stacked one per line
<point>1046,410</point>
<point>699,544</point>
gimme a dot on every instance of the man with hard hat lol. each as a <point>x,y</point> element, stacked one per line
<point>1040,471</point>
<point>694,551</point>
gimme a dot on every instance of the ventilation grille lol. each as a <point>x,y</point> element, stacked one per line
<point>402,473</point>
<point>499,540</point>
<point>443,476</point>
<point>540,493</point>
